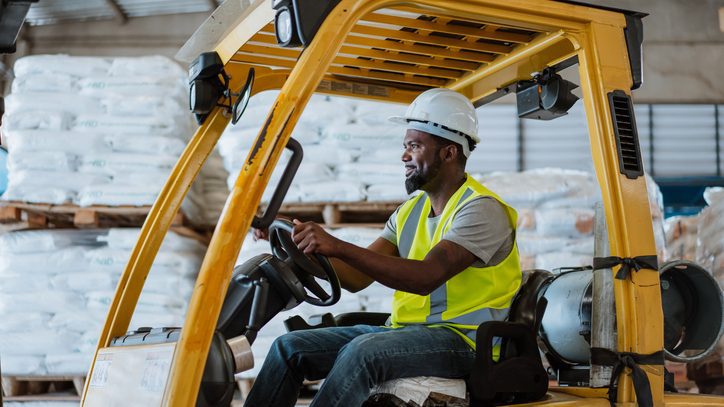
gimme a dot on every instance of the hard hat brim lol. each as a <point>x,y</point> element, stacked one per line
<point>398,119</point>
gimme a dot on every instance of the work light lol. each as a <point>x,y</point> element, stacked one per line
<point>285,27</point>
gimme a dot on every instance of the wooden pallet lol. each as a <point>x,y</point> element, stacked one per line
<point>48,215</point>
<point>340,214</point>
<point>42,388</point>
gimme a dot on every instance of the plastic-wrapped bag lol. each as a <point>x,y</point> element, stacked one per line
<point>23,321</point>
<point>373,173</point>
<point>387,193</point>
<point>126,238</point>
<point>42,161</point>
<point>68,364</point>
<point>49,195</point>
<point>23,141</point>
<point>46,82</point>
<point>565,222</point>
<point>359,136</point>
<point>40,104</point>
<point>148,144</point>
<point>53,301</point>
<point>37,120</point>
<point>51,262</point>
<point>161,86</point>
<point>159,125</point>
<point>38,342</point>
<point>60,63</point>
<point>115,195</point>
<point>33,241</point>
<point>67,180</point>
<point>156,65</point>
<point>335,191</point>
<point>22,365</point>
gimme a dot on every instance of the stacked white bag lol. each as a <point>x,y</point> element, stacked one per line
<point>351,152</point>
<point>96,131</point>
<point>710,234</point>
<point>57,286</point>
<point>555,214</point>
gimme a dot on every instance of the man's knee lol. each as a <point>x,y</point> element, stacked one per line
<point>289,343</point>
<point>364,349</point>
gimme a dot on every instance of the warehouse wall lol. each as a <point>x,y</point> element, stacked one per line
<point>683,49</point>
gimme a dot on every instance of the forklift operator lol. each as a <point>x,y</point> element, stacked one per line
<point>449,253</point>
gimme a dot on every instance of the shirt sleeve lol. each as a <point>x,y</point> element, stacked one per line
<point>482,227</point>
<point>389,233</point>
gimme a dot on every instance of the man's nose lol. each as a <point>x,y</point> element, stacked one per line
<point>405,156</point>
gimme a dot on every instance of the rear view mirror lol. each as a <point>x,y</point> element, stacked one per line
<point>243,99</point>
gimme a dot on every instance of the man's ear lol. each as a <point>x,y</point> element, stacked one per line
<point>450,153</point>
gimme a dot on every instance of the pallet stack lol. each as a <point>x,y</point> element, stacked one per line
<point>91,142</point>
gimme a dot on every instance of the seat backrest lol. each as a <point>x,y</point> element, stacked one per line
<point>524,308</point>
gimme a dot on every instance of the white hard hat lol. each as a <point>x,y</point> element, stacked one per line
<point>443,113</point>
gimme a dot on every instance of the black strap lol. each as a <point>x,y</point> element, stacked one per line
<point>619,361</point>
<point>627,264</point>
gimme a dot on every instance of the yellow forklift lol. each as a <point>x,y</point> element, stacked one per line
<point>391,51</point>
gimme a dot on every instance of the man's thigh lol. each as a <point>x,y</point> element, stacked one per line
<point>412,351</point>
<point>314,351</point>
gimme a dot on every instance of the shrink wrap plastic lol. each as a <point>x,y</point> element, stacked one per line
<point>107,117</point>
<point>56,286</point>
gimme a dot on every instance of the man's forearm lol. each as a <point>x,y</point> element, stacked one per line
<point>414,276</point>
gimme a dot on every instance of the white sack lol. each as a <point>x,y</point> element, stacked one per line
<point>23,321</point>
<point>38,342</point>
<point>126,238</point>
<point>46,82</point>
<point>68,364</point>
<point>156,65</point>
<point>41,103</point>
<point>56,196</point>
<point>365,137</point>
<point>42,160</point>
<point>21,365</point>
<point>162,86</point>
<point>139,125</point>
<point>71,65</point>
<point>115,163</point>
<point>334,191</point>
<point>23,141</point>
<point>148,144</point>
<point>37,120</point>
<point>388,193</point>
<point>114,195</point>
<point>68,180</point>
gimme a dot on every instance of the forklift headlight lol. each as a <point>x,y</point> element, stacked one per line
<point>203,96</point>
<point>207,84</point>
<point>285,27</point>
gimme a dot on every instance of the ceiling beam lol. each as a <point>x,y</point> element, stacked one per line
<point>120,14</point>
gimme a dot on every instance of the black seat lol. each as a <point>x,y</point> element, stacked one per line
<point>518,375</point>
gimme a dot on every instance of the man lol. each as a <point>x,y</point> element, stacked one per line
<point>449,252</point>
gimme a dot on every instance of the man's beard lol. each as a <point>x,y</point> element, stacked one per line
<point>418,180</point>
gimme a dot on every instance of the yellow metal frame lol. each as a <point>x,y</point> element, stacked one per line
<point>360,51</point>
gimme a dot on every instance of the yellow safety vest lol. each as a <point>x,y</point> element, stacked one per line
<point>475,295</point>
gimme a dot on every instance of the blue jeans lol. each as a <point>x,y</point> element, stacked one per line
<point>354,360</point>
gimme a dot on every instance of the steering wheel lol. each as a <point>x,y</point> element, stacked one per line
<point>284,248</point>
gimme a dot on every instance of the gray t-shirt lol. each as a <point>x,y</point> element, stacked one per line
<point>481,226</point>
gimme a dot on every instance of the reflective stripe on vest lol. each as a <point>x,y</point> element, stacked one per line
<point>475,295</point>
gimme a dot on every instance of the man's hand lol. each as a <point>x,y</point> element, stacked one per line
<point>263,234</point>
<point>260,234</point>
<point>312,238</point>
